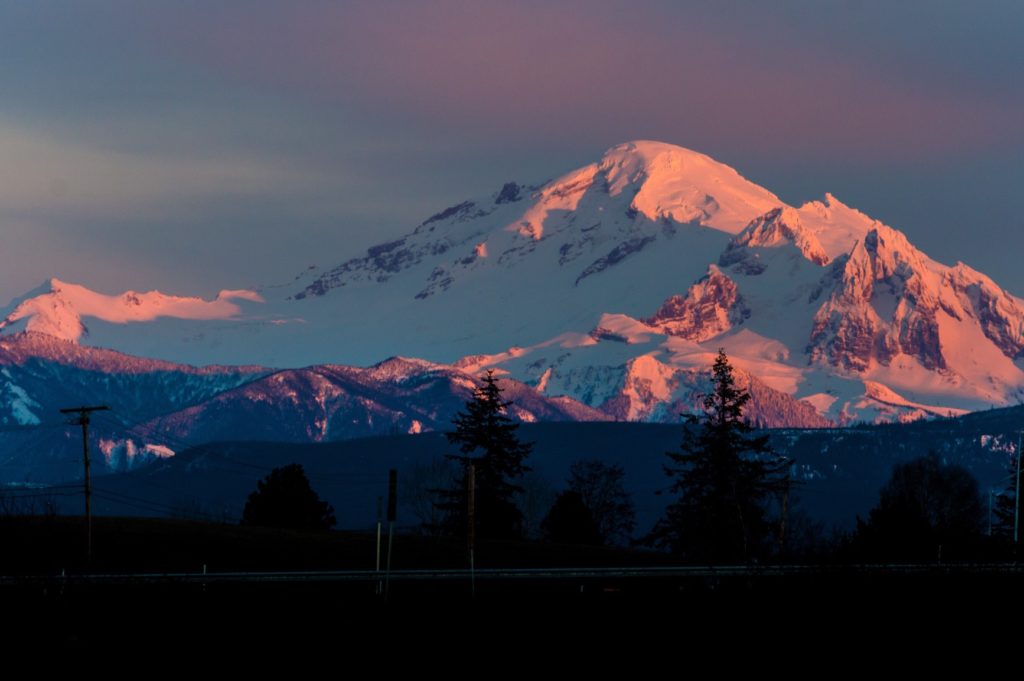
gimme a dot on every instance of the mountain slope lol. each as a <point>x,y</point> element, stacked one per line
<point>615,284</point>
<point>48,373</point>
<point>159,408</point>
<point>329,402</point>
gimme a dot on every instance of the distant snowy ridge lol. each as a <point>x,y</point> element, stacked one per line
<point>59,310</point>
<point>614,285</point>
<point>158,409</point>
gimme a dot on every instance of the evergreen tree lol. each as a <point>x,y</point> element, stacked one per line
<point>1006,504</point>
<point>570,522</point>
<point>488,441</point>
<point>926,510</point>
<point>284,498</point>
<point>725,477</point>
<point>600,486</point>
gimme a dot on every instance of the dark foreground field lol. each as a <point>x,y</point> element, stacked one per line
<point>146,586</point>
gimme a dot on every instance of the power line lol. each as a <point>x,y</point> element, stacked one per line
<point>146,437</point>
<point>37,495</point>
<point>83,421</point>
<point>31,427</point>
<point>181,445</point>
<point>160,510</point>
<point>146,480</point>
<point>150,505</point>
<point>33,490</point>
<point>24,446</point>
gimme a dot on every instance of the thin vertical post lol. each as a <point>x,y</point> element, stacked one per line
<point>1016,501</point>
<point>380,521</point>
<point>88,488</point>
<point>991,492</point>
<point>83,421</point>
<point>392,515</point>
<point>471,530</point>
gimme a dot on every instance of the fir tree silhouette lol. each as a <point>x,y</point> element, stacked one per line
<point>725,478</point>
<point>284,498</point>
<point>488,441</point>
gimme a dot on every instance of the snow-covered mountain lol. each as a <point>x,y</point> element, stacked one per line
<point>57,308</point>
<point>621,279</point>
<point>47,373</point>
<point>158,408</point>
<point>615,285</point>
<point>332,402</point>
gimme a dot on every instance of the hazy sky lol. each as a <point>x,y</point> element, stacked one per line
<point>194,146</point>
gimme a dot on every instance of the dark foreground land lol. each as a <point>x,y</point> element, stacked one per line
<point>210,586</point>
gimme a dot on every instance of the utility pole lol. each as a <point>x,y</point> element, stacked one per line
<point>380,519</point>
<point>991,493</point>
<point>1016,501</point>
<point>392,516</point>
<point>471,530</point>
<point>83,421</point>
<point>784,514</point>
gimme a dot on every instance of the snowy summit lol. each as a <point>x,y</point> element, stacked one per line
<point>616,284</point>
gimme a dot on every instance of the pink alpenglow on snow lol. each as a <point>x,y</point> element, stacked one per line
<point>618,283</point>
<point>59,311</point>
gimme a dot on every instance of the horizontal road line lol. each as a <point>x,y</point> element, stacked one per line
<point>522,574</point>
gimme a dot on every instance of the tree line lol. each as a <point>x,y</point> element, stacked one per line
<point>734,499</point>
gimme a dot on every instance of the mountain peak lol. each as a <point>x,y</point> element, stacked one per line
<point>651,150</point>
<point>683,185</point>
<point>398,368</point>
<point>58,308</point>
<point>651,250</point>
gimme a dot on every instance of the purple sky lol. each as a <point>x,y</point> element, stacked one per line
<point>194,146</point>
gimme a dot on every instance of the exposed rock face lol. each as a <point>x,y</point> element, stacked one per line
<point>637,193</point>
<point>884,303</point>
<point>554,283</point>
<point>712,306</point>
<point>648,390</point>
<point>615,256</point>
<point>509,193</point>
<point>777,228</point>
<point>1000,315</point>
